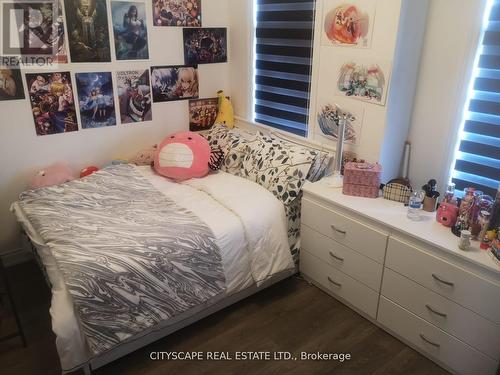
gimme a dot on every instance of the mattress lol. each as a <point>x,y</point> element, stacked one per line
<point>249,226</point>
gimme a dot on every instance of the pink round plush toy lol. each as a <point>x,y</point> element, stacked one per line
<point>182,156</point>
<point>52,175</point>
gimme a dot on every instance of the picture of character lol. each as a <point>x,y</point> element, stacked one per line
<point>134,95</point>
<point>52,102</point>
<point>329,117</point>
<point>348,24</point>
<point>96,99</point>
<point>174,83</point>
<point>87,22</point>
<point>366,82</point>
<point>43,30</point>
<point>11,84</point>
<point>130,30</point>
<point>185,13</point>
<point>202,113</point>
<point>205,45</point>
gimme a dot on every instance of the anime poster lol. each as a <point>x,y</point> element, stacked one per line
<point>363,81</point>
<point>130,30</point>
<point>43,28</point>
<point>87,23</point>
<point>331,112</point>
<point>186,13</point>
<point>96,99</point>
<point>205,46</point>
<point>134,96</point>
<point>348,23</point>
<point>52,102</point>
<point>174,83</point>
<point>202,113</point>
<point>11,84</point>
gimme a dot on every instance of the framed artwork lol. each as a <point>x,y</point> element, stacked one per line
<point>205,45</point>
<point>367,81</point>
<point>96,99</point>
<point>11,84</point>
<point>130,30</point>
<point>329,114</point>
<point>134,96</point>
<point>202,113</point>
<point>89,36</point>
<point>348,23</point>
<point>52,102</point>
<point>174,83</point>
<point>184,13</point>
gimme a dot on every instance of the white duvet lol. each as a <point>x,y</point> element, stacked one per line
<point>249,225</point>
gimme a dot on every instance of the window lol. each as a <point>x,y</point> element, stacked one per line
<point>283,58</point>
<point>477,161</point>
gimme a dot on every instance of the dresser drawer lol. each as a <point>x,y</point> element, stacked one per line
<point>349,232</point>
<point>462,323</point>
<point>446,279</point>
<point>339,284</point>
<point>341,257</point>
<point>445,348</point>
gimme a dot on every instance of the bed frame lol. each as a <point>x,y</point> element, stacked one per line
<point>200,312</point>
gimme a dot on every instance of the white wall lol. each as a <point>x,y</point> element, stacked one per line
<point>22,152</point>
<point>396,42</point>
<point>447,60</point>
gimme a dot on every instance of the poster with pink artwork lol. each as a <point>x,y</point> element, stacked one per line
<point>348,23</point>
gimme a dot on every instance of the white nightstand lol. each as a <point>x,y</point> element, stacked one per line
<point>408,277</point>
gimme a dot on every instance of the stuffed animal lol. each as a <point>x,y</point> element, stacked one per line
<point>186,155</point>
<point>88,171</point>
<point>54,174</point>
<point>145,157</point>
<point>225,111</point>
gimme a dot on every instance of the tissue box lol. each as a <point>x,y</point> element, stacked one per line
<point>362,179</point>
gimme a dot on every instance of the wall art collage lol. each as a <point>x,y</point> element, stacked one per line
<point>355,76</point>
<point>66,100</point>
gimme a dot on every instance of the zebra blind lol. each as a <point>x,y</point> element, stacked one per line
<point>283,59</point>
<point>478,160</point>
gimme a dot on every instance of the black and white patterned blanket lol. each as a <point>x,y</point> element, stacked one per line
<point>130,257</point>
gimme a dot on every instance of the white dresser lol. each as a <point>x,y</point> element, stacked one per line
<point>408,277</point>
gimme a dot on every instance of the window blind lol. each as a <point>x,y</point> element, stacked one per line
<point>283,58</point>
<point>478,159</point>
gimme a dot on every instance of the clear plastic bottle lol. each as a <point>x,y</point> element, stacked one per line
<point>415,205</point>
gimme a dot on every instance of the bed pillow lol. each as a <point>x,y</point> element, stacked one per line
<point>281,167</point>
<point>320,167</point>
<point>234,146</point>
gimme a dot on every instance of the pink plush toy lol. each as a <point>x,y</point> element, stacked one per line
<point>182,156</point>
<point>54,174</point>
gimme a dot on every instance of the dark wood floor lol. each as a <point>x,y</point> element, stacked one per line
<point>290,316</point>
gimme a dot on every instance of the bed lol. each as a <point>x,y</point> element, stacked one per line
<point>132,256</point>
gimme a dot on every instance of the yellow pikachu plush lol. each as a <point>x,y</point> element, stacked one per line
<point>226,114</point>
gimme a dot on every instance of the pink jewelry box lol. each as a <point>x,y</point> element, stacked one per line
<point>362,179</point>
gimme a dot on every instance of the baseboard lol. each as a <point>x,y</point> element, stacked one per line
<point>15,257</point>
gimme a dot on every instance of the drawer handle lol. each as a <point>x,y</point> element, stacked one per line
<point>436,345</point>
<point>336,257</point>
<point>338,230</point>
<point>437,278</point>
<point>334,282</point>
<point>434,311</point>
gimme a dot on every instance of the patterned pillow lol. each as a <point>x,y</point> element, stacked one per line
<point>281,167</point>
<point>232,144</point>
<point>320,167</point>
